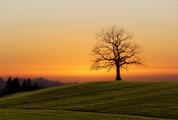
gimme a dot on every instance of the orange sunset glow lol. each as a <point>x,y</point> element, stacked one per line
<point>54,39</point>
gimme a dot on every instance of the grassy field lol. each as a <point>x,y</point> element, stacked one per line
<point>95,101</point>
<point>24,114</point>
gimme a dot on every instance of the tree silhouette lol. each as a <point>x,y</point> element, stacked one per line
<point>8,87</point>
<point>14,86</point>
<point>36,86</point>
<point>115,50</point>
<point>29,85</point>
<point>24,85</point>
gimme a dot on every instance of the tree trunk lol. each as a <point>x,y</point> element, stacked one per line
<point>118,74</point>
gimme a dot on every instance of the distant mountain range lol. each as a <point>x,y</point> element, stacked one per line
<point>40,81</point>
<point>47,83</point>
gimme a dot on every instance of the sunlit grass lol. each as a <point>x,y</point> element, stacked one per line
<point>139,98</point>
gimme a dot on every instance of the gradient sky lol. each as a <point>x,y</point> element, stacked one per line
<point>54,38</point>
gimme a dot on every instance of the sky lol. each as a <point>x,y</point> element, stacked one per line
<point>54,38</point>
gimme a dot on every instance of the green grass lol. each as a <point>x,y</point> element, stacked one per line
<point>104,100</point>
<point>23,114</point>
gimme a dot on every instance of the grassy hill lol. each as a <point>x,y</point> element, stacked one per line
<point>103,100</point>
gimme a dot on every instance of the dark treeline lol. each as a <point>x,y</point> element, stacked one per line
<point>13,85</point>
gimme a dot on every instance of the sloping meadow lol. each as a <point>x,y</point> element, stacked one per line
<point>159,99</point>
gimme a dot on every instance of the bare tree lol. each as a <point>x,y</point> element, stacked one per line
<point>115,50</point>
